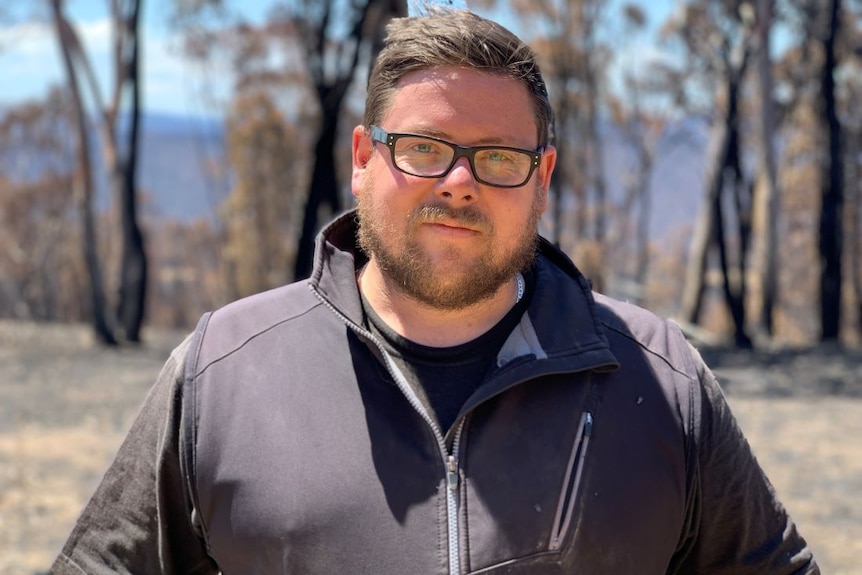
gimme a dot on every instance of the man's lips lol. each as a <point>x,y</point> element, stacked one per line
<point>454,227</point>
<point>455,223</point>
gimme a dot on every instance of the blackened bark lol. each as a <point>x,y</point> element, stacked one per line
<point>723,161</point>
<point>322,192</point>
<point>831,228</point>
<point>324,187</point>
<point>734,295</point>
<point>84,184</point>
<point>133,266</point>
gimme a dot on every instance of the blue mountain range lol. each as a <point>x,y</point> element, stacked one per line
<point>181,159</point>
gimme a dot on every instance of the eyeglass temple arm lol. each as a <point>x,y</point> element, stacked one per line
<point>379,135</point>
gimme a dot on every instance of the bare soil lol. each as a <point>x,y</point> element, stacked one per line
<point>66,403</point>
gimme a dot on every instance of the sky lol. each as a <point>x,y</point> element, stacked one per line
<point>30,58</point>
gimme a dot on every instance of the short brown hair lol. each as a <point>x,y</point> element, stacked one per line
<point>460,38</point>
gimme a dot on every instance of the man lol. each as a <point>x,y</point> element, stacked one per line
<point>444,394</point>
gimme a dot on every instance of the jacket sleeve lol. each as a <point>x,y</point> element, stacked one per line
<point>139,519</point>
<point>737,524</point>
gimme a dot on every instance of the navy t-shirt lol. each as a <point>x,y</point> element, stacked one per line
<point>445,377</point>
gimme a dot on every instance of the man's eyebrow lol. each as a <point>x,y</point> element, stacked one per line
<point>430,132</point>
<point>487,141</point>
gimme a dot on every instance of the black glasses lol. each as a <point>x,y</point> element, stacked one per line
<point>427,157</point>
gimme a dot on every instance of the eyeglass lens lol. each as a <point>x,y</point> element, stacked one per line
<point>428,157</point>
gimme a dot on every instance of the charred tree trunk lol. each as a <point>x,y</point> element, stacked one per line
<point>854,228</point>
<point>831,234</point>
<point>854,233</point>
<point>322,192</point>
<point>723,160</point>
<point>133,266</point>
<point>734,291</point>
<point>324,187</point>
<point>84,183</point>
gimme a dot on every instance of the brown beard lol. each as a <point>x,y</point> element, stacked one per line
<point>411,271</point>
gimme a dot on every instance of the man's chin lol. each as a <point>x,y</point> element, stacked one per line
<point>445,300</point>
<point>458,287</point>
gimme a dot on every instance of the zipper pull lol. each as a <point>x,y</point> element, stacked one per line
<point>452,473</point>
<point>588,424</point>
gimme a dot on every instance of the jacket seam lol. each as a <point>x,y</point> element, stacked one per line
<point>190,427</point>
<point>651,351</point>
<point>516,560</point>
<point>570,352</point>
<point>69,562</point>
<point>251,338</point>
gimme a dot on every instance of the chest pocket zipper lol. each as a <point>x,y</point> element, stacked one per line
<point>569,491</point>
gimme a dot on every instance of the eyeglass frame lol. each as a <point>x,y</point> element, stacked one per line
<point>389,139</point>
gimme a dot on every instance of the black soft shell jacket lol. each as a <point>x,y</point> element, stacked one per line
<point>280,438</point>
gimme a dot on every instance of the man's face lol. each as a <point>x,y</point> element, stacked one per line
<point>450,242</point>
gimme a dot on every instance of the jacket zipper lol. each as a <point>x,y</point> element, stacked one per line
<point>571,483</point>
<point>450,459</point>
<point>452,499</point>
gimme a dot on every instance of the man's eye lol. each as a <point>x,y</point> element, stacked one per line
<point>423,148</point>
<point>499,156</point>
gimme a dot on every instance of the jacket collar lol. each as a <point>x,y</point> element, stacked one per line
<point>561,323</point>
<point>337,260</point>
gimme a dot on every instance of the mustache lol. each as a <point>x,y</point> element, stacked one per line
<point>468,216</point>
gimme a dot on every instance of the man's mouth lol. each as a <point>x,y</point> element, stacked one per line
<point>463,220</point>
<point>456,225</point>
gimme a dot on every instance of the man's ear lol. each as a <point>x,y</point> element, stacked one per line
<point>363,147</point>
<point>546,169</point>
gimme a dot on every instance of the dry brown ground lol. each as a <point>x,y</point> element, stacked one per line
<point>65,405</point>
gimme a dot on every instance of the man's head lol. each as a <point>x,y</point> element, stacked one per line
<point>460,39</point>
<point>452,167</point>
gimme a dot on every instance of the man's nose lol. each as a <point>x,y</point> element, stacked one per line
<point>460,183</point>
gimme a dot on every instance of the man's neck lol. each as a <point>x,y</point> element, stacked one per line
<point>429,325</point>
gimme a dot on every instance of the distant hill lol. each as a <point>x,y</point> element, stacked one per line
<point>676,186</point>
<point>177,154</point>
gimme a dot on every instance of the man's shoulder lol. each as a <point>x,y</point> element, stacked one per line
<point>626,316</point>
<point>269,306</point>
<point>236,324</point>
<point>630,324</point>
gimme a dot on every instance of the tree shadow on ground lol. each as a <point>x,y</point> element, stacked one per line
<point>788,372</point>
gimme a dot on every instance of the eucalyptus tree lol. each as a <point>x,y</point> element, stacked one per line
<point>321,46</point>
<point>716,38</point>
<point>120,156</point>
<point>818,73</point>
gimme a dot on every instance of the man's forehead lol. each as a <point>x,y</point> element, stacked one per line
<point>464,105</point>
<point>447,76</point>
